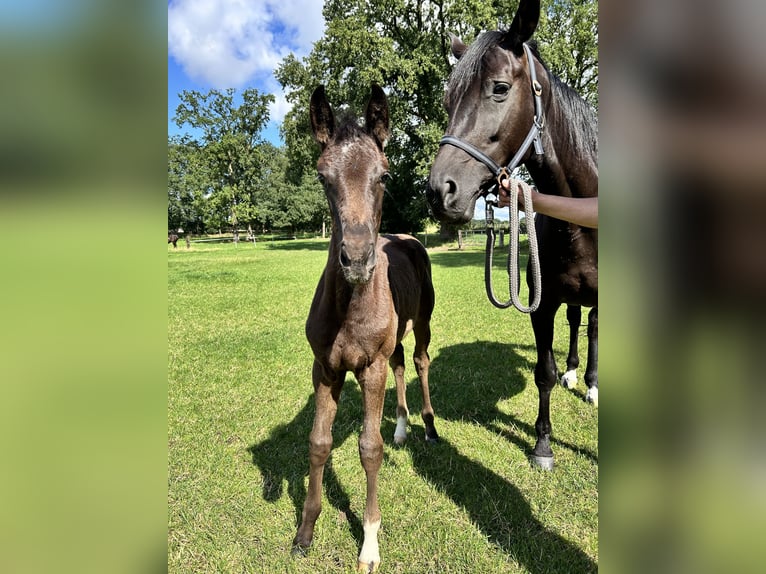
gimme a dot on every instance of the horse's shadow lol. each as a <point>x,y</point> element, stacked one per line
<point>284,457</point>
<point>470,379</point>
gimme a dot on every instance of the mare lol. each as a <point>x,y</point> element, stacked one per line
<point>373,291</point>
<point>173,238</point>
<point>501,99</point>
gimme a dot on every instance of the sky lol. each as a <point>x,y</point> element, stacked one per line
<point>219,44</point>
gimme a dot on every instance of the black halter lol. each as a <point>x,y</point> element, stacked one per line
<point>533,137</point>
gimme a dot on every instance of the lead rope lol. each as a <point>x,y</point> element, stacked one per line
<point>513,249</point>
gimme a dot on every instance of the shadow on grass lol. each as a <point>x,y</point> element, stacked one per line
<point>468,381</point>
<point>284,457</point>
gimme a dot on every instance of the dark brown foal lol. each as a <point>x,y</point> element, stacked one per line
<point>374,290</point>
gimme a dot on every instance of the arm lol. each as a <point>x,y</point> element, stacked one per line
<point>578,210</point>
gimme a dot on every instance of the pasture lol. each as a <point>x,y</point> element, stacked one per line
<point>240,409</point>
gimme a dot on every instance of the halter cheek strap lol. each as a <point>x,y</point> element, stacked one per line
<point>533,136</point>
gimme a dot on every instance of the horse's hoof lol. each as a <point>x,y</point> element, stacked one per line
<point>367,568</point>
<point>592,396</point>
<point>299,551</point>
<point>432,439</point>
<point>544,462</point>
<point>569,379</point>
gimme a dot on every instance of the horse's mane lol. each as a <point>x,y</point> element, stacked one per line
<point>583,118</point>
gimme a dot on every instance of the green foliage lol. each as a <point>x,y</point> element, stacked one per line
<point>403,45</point>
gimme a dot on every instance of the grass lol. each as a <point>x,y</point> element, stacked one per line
<point>240,408</point>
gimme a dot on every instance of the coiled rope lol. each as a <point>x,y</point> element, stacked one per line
<point>513,250</point>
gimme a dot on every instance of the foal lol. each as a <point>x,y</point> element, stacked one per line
<point>373,291</point>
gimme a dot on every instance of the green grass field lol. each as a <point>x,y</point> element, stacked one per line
<point>240,409</point>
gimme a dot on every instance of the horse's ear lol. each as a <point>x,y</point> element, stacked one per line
<point>376,117</point>
<point>457,45</point>
<point>524,22</point>
<point>322,118</point>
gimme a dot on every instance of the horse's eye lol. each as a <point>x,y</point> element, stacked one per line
<point>501,90</point>
<point>321,179</point>
<point>386,177</point>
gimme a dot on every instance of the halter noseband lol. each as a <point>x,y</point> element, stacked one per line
<point>533,136</point>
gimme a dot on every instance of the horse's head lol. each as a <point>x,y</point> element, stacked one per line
<point>491,106</point>
<point>353,171</point>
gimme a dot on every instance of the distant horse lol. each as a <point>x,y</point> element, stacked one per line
<point>373,291</point>
<point>173,238</point>
<point>503,103</point>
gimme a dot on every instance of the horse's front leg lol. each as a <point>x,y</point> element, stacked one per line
<point>326,395</point>
<point>372,381</point>
<point>546,376</point>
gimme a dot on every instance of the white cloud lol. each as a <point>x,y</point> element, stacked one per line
<point>239,43</point>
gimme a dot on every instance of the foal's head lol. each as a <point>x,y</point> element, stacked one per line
<point>353,170</point>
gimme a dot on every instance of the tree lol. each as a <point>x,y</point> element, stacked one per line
<point>403,45</point>
<point>187,186</point>
<point>231,150</point>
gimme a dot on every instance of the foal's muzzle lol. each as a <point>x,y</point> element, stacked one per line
<point>357,256</point>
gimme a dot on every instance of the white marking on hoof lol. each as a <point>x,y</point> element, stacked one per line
<point>569,379</point>
<point>400,434</point>
<point>592,396</point>
<point>369,557</point>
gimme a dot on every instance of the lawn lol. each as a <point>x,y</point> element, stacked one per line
<point>240,409</point>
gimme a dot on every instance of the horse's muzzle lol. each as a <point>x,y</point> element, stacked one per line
<point>447,204</point>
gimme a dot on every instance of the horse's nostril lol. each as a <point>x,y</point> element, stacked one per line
<point>344,260</point>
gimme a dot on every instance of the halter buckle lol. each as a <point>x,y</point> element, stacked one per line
<point>502,175</point>
<point>537,88</point>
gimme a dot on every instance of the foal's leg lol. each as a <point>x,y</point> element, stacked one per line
<point>546,376</point>
<point>574,316</point>
<point>591,371</point>
<point>402,413</point>
<point>372,381</point>
<point>326,394</point>
<point>422,362</point>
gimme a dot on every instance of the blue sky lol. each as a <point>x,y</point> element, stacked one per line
<point>219,44</point>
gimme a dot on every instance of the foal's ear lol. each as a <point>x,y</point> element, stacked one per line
<point>376,118</point>
<point>322,118</point>
<point>457,46</point>
<point>524,23</point>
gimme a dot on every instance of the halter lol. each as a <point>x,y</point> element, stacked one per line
<point>501,173</point>
<point>533,136</point>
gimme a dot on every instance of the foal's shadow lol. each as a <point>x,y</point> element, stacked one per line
<point>284,457</point>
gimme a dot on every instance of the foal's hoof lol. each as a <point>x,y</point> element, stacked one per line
<point>367,568</point>
<point>299,551</point>
<point>432,438</point>
<point>544,462</point>
<point>569,379</point>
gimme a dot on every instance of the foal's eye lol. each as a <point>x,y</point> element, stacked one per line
<point>386,177</point>
<point>321,179</point>
<point>500,90</point>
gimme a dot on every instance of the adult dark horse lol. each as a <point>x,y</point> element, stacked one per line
<point>374,290</point>
<point>173,238</point>
<point>506,108</point>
